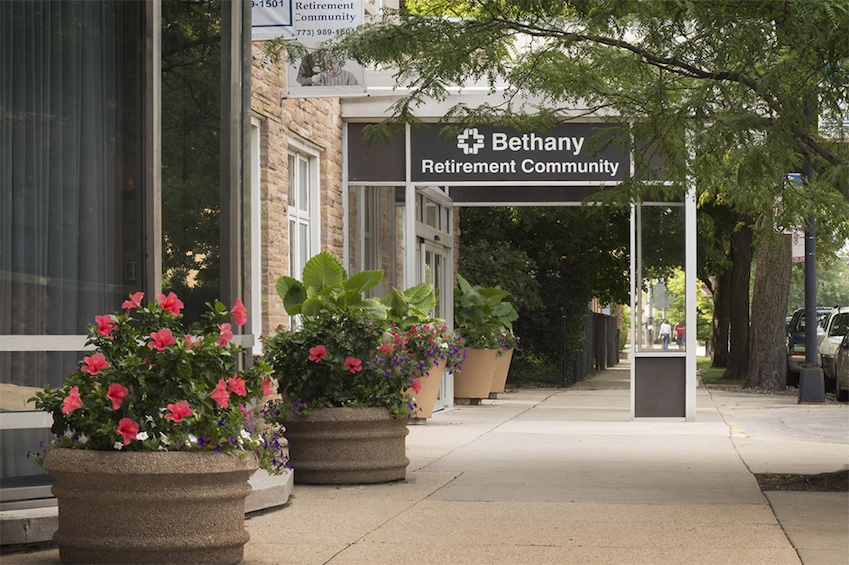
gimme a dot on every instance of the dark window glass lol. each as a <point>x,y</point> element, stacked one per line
<point>191,147</point>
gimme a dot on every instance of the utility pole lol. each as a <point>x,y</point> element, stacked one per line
<point>811,382</point>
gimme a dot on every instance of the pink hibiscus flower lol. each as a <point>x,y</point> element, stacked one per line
<point>416,385</point>
<point>236,385</point>
<point>117,393</point>
<point>267,387</point>
<point>178,411</point>
<point>225,336</point>
<point>161,339</point>
<point>93,364</point>
<point>72,401</point>
<point>128,429</point>
<point>133,302</point>
<point>104,324</point>
<point>353,364</point>
<point>239,313</point>
<point>318,353</point>
<point>170,303</point>
<point>220,394</point>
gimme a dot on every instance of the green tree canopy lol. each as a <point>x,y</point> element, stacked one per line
<point>740,77</point>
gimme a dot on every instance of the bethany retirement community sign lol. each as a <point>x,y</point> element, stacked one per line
<point>500,155</point>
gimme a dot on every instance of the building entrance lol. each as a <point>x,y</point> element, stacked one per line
<point>491,166</point>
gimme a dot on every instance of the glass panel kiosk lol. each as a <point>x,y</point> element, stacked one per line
<point>663,321</point>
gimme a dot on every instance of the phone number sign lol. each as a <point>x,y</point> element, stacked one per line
<point>311,23</point>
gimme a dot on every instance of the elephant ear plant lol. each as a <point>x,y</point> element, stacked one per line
<point>331,355</point>
<point>482,317</point>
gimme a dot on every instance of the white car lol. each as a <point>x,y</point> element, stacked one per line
<point>836,326</point>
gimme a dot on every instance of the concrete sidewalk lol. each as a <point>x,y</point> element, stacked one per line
<point>559,476</point>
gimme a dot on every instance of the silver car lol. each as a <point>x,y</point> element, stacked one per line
<point>836,326</point>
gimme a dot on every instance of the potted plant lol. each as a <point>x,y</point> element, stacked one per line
<point>342,399</point>
<point>420,345</point>
<point>507,343</point>
<point>156,421</point>
<point>481,316</point>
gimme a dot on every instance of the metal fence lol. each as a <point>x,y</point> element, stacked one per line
<point>600,348</point>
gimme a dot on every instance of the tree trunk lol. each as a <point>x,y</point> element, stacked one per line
<point>741,257</point>
<point>721,320</point>
<point>768,346</point>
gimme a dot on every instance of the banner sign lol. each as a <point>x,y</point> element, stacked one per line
<point>568,152</point>
<point>312,23</point>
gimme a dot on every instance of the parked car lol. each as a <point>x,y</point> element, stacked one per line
<point>796,341</point>
<point>841,370</point>
<point>836,326</point>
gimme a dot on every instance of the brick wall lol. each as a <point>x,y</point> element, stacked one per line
<point>315,122</point>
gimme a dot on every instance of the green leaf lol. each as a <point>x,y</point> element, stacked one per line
<point>323,271</point>
<point>363,281</point>
<point>293,294</point>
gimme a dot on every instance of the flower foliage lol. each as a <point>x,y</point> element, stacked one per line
<point>415,349</point>
<point>152,385</point>
<point>335,360</point>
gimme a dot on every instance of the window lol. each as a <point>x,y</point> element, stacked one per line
<point>72,187</point>
<point>303,208</point>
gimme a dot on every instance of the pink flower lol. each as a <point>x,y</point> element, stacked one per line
<point>220,394</point>
<point>267,387</point>
<point>386,347</point>
<point>178,411</point>
<point>133,302</point>
<point>317,353</point>
<point>170,303</point>
<point>354,364</point>
<point>104,324</point>
<point>93,364</point>
<point>225,336</point>
<point>161,339</point>
<point>416,385</point>
<point>117,393</point>
<point>245,412</point>
<point>239,312</point>
<point>128,429</point>
<point>237,386</point>
<point>191,341</point>
<point>72,401</point>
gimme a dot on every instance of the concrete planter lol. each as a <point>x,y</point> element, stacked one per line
<point>150,507</point>
<point>502,367</point>
<point>426,398</point>
<point>335,446</point>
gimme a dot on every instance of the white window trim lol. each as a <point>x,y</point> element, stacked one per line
<point>312,153</point>
<point>255,212</point>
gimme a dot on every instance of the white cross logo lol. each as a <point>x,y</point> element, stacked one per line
<point>470,141</point>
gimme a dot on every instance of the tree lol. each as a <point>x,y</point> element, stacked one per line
<point>767,369</point>
<point>721,90</point>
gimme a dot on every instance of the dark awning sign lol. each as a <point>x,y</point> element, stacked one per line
<point>568,152</point>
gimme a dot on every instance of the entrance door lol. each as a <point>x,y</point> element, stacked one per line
<point>434,264</point>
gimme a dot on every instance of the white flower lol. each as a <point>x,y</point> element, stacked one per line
<point>82,439</point>
<point>118,445</point>
<point>246,434</point>
<point>163,439</point>
<point>141,436</point>
<point>193,439</point>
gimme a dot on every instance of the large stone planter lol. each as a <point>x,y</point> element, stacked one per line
<point>335,446</point>
<point>475,378</point>
<point>426,398</point>
<point>502,367</point>
<point>150,507</point>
